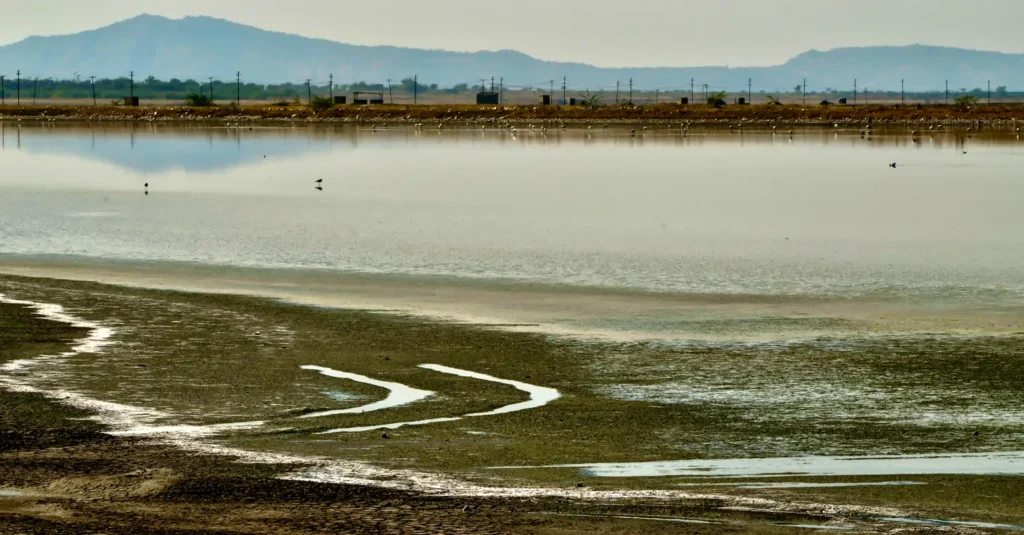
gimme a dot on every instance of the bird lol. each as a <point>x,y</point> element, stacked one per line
<point>318,188</point>
<point>319,181</point>
<point>146,185</point>
<point>893,165</point>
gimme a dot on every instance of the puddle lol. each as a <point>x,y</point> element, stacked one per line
<point>784,485</point>
<point>9,493</point>
<point>398,395</point>
<point>539,396</point>
<point>1005,463</point>
<point>929,522</point>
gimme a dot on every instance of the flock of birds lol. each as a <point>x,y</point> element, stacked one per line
<point>685,128</point>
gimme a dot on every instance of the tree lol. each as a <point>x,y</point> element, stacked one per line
<point>1001,91</point>
<point>798,89</point>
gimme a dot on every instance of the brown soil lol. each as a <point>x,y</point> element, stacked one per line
<point>1007,115</point>
<point>88,482</point>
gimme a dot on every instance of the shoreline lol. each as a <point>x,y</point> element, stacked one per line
<point>177,475</point>
<point>1008,116</point>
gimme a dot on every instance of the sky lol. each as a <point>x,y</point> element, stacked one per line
<point>601,32</point>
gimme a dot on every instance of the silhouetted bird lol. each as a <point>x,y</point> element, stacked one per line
<point>146,185</point>
<point>893,165</point>
<point>319,181</point>
<point>318,188</point>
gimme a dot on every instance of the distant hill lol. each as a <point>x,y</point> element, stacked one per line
<point>198,47</point>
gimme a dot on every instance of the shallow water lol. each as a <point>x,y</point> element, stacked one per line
<point>821,213</point>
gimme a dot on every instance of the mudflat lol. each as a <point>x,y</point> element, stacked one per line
<point>69,469</point>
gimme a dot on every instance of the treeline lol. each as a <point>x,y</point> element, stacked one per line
<point>175,89</point>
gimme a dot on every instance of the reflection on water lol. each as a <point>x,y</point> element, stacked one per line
<point>818,212</point>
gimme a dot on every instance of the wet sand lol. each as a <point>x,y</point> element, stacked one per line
<point>518,435</point>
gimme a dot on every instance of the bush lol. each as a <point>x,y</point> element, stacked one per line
<point>195,99</point>
<point>321,103</point>
<point>717,99</point>
<point>965,101</point>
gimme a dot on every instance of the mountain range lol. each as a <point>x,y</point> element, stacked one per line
<point>199,47</point>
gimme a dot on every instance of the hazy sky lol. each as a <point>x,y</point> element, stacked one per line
<point>603,32</point>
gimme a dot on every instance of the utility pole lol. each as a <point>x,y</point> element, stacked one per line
<point>657,96</point>
<point>35,88</point>
<point>617,83</point>
<point>492,84</point>
<point>630,91</point>
<point>238,88</point>
<point>309,90</point>
<point>501,90</point>
<point>391,95</point>
<point>552,92</point>
<point>131,86</point>
<point>692,94</point>
<point>804,88</point>
<point>564,99</point>
<point>750,90</point>
<point>483,85</point>
<point>903,93</point>
<point>332,87</point>
<point>854,91</point>
<point>211,90</point>
<point>415,88</point>
<point>947,92</point>
<point>19,87</point>
<point>92,79</point>
<point>3,95</point>
<point>990,91</point>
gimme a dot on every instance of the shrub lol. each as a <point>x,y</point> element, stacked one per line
<point>965,101</point>
<point>717,99</point>
<point>321,103</point>
<point>195,99</point>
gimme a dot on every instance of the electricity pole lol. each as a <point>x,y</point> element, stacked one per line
<point>35,88</point>
<point>804,88</point>
<point>211,90</point>
<point>309,90</point>
<point>903,93</point>
<point>630,91</point>
<point>332,87</point>
<point>391,95</point>
<point>692,94</point>
<point>415,88</point>
<point>552,92</point>
<point>238,88</point>
<point>3,95</point>
<point>565,101</point>
<point>947,92</point>
<point>19,87</point>
<point>131,87</point>
<point>617,83</point>
<point>990,91</point>
<point>501,90</point>
<point>750,90</point>
<point>92,79</point>
<point>854,91</point>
